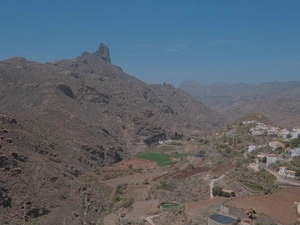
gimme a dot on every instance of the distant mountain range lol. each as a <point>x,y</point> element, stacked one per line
<point>279,101</point>
<point>62,119</point>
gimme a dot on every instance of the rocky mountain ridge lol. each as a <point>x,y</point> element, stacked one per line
<point>279,101</point>
<point>63,119</point>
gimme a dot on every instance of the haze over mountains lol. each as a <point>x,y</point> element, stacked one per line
<point>60,120</point>
<point>278,101</point>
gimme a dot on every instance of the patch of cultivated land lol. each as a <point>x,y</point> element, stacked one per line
<point>161,158</point>
<point>222,168</point>
<point>278,206</point>
<point>133,163</point>
<point>193,209</point>
<point>140,209</point>
<point>134,178</point>
<point>137,192</point>
<point>191,173</point>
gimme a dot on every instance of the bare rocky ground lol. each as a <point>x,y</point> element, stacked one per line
<point>62,121</point>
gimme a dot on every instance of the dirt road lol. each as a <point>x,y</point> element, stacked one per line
<point>284,180</point>
<point>211,185</point>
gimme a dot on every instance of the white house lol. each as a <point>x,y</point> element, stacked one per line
<point>295,132</point>
<point>292,152</point>
<point>251,148</point>
<point>283,133</point>
<point>288,173</point>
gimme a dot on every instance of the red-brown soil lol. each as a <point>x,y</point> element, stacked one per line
<point>132,163</point>
<point>137,192</point>
<point>191,173</point>
<point>222,168</point>
<point>155,179</point>
<point>278,206</point>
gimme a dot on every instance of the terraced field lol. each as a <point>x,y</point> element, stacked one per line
<point>278,206</point>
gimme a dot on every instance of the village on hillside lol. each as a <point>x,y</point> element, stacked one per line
<point>232,177</point>
<point>284,149</point>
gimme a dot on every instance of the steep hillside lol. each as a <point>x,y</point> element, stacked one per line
<point>279,101</point>
<point>62,119</point>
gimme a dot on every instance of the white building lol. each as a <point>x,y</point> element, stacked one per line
<point>254,166</point>
<point>276,144</point>
<point>292,152</point>
<point>295,132</point>
<point>251,148</point>
<point>285,172</point>
<point>283,133</point>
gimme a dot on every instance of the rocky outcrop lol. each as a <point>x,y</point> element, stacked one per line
<point>103,52</point>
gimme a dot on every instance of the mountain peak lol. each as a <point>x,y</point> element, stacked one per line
<point>103,52</point>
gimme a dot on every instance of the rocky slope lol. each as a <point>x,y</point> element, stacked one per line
<point>62,119</point>
<point>279,101</point>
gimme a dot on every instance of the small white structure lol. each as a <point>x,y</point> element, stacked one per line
<point>285,172</point>
<point>254,166</point>
<point>257,132</point>
<point>251,148</point>
<point>250,122</point>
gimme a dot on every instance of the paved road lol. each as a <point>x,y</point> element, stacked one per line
<point>283,180</point>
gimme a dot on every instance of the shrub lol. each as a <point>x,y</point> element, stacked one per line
<point>146,181</point>
<point>166,186</point>
<point>217,191</point>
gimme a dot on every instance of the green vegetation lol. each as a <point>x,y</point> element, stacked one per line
<point>119,196</point>
<point>254,187</point>
<point>201,153</point>
<point>175,143</point>
<point>87,179</point>
<point>179,156</point>
<point>166,186</point>
<point>160,158</point>
<point>119,192</point>
<point>296,161</point>
<point>166,148</point>
<point>295,142</point>
<point>218,191</point>
<point>38,220</point>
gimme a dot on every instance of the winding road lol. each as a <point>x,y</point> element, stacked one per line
<point>283,180</point>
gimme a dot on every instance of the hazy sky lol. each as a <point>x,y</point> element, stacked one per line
<point>162,41</point>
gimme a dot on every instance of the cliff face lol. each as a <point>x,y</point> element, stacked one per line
<point>62,119</point>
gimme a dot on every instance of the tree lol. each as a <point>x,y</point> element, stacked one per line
<point>224,138</point>
<point>264,159</point>
<point>297,174</point>
<point>217,191</point>
<point>205,142</point>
